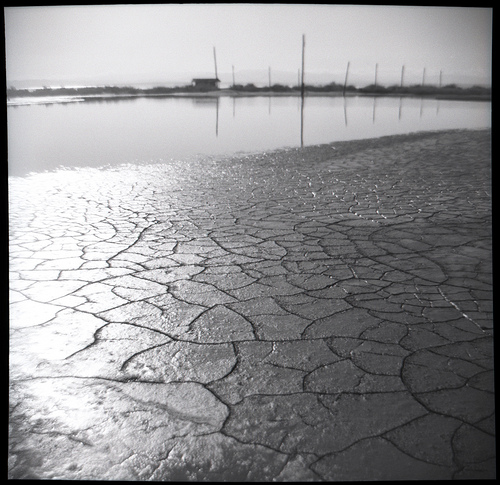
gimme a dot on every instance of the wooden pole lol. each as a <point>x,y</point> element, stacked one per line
<point>376,74</point>
<point>215,63</point>
<point>440,78</point>
<point>402,74</point>
<point>346,76</point>
<point>302,79</point>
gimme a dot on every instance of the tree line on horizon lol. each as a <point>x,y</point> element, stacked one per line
<point>333,87</point>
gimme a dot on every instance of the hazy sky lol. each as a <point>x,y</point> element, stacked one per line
<point>120,43</point>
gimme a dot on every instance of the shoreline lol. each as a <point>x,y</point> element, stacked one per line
<point>312,153</point>
<point>47,96</point>
<point>323,152</point>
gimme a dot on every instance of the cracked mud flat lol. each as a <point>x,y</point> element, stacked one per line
<point>315,314</point>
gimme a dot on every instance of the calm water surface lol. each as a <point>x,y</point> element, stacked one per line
<point>151,130</point>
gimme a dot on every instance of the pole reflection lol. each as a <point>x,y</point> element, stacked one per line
<point>415,105</point>
<point>217,117</point>
<point>345,111</point>
<point>302,120</point>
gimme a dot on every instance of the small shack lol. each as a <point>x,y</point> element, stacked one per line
<point>206,84</point>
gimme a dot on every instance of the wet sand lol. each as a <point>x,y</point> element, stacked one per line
<point>318,314</point>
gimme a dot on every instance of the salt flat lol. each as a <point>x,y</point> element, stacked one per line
<point>307,314</point>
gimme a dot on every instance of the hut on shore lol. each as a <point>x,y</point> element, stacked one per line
<point>205,84</point>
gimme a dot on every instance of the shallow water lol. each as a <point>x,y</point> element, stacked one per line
<point>150,130</point>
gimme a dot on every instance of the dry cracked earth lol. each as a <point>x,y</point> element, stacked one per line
<point>314,314</point>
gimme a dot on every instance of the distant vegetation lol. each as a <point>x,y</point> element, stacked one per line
<point>450,90</point>
<point>415,90</point>
<point>95,91</point>
<point>419,90</point>
<point>251,88</point>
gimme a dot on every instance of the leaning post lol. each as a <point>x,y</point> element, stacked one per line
<point>302,79</point>
<point>346,75</point>
<point>215,62</point>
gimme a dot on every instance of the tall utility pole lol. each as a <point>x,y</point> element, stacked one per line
<point>346,76</point>
<point>440,78</point>
<point>215,62</point>
<point>402,75</point>
<point>302,80</point>
<point>376,74</point>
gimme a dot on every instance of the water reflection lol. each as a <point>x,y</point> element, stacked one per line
<point>212,103</point>
<point>150,130</point>
<point>345,111</point>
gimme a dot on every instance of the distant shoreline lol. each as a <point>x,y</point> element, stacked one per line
<point>451,92</point>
